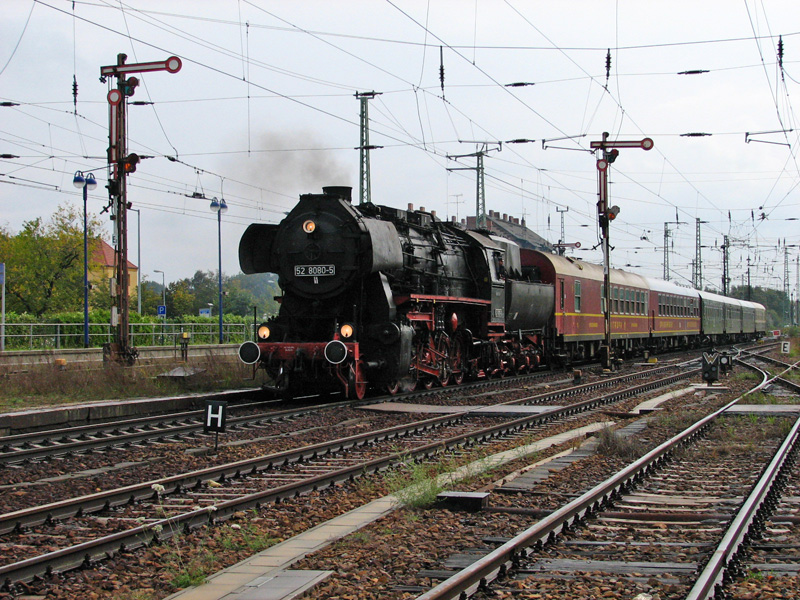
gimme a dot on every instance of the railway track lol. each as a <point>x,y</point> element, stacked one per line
<point>158,509</point>
<point>655,525</point>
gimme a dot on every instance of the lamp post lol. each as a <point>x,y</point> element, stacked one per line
<point>163,288</point>
<point>219,207</point>
<point>85,182</point>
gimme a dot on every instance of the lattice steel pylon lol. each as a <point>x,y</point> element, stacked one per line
<point>480,192</point>
<point>786,287</point>
<point>480,195</point>
<point>365,185</point>
<point>725,279</point>
<point>698,258</point>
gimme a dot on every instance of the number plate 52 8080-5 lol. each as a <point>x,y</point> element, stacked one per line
<point>314,270</point>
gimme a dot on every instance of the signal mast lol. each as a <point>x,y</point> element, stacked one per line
<point>120,165</point>
<point>606,214</point>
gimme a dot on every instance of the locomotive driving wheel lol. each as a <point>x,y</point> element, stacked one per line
<point>443,355</point>
<point>457,360</point>
<point>357,381</point>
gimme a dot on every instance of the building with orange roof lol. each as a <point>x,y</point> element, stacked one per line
<point>102,268</point>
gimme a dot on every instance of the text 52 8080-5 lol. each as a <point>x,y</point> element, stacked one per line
<point>314,270</point>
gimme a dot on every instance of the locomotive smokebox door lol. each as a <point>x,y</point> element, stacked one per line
<point>710,367</point>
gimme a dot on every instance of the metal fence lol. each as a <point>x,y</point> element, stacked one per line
<point>48,336</point>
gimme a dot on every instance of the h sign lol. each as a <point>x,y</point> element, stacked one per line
<point>215,417</point>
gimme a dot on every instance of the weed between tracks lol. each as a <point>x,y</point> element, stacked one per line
<point>612,444</point>
<point>417,484</point>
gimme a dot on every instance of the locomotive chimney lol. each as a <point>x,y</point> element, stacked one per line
<point>505,217</point>
<point>340,191</point>
<point>433,214</point>
<point>410,206</point>
<point>421,209</point>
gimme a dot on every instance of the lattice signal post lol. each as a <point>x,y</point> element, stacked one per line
<point>610,151</point>
<point>120,165</point>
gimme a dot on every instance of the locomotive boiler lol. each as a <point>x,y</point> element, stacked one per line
<point>374,296</point>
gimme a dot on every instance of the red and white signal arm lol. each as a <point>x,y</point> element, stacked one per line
<point>602,164</point>
<point>171,65</point>
<point>645,144</point>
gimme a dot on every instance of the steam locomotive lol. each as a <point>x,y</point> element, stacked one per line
<point>377,297</point>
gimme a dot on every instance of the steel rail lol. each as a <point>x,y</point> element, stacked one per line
<point>504,558</point>
<point>86,552</point>
<point>749,516</point>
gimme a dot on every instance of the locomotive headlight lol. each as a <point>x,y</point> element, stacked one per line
<point>347,330</point>
<point>263,331</point>
<point>309,226</point>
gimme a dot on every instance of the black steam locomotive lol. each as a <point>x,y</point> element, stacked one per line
<point>390,299</point>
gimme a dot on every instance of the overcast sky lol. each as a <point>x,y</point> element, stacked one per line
<point>264,109</point>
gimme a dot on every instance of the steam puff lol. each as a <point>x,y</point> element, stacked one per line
<point>295,163</point>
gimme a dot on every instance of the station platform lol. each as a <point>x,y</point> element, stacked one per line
<point>90,413</point>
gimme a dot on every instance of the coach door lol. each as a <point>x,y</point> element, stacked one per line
<point>653,313</point>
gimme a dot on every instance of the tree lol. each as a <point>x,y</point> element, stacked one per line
<point>180,299</point>
<point>44,263</point>
<point>262,289</point>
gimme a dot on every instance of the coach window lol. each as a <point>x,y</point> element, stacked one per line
<point>577,296</point>
<point>603,298</point>
<point>616,299</point>
<point>562,294</point>
<point>627,302</point>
